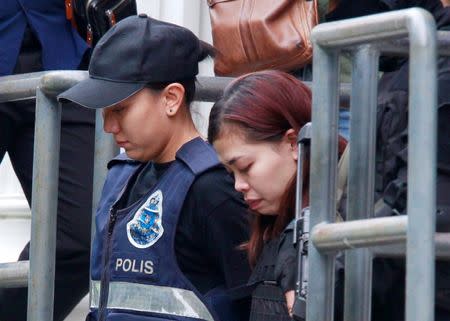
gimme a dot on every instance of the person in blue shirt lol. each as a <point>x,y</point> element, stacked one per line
<point>36,36</point>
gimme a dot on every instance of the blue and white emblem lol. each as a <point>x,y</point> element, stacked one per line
<point>146,228</point>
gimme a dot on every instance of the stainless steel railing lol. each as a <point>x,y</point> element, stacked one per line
<point>362,35</point>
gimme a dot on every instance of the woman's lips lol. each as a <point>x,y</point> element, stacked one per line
<point>253,204</point>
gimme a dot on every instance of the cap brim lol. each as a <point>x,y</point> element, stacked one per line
<point>99,93</point>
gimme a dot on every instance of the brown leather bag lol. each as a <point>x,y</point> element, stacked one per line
<point>252,35</point>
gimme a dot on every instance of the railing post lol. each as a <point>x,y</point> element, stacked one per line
<point>329,37</point>
<point>422,155</point>
<point>105,149</point>
<point>320,300</point>
<point>363,102</point>
<point>44,208</point>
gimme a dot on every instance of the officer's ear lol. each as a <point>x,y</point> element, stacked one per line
<point>173,97</point>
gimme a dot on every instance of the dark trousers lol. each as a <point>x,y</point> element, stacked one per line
<point>74,195</point>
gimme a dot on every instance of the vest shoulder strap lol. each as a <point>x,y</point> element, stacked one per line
<point>198,155</point>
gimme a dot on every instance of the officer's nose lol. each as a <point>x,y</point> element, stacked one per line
<point>110,123</point>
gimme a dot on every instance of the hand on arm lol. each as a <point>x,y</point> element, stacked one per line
<point>290,298</point>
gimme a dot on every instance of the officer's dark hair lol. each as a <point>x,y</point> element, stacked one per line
<point>263,106</point>
<point>188,84</point>
<point>206,50</point>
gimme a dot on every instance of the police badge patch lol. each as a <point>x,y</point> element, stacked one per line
<point>146,226</point>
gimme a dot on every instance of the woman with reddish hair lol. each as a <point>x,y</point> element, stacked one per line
<point>254,128</point>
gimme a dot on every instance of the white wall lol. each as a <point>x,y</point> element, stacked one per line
<point>9,182</point>
<point>14,214</point>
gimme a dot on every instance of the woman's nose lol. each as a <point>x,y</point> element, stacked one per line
<point>240,185</point>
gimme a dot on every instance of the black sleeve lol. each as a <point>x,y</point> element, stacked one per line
<point>226,231</point>
<point>221,218</point>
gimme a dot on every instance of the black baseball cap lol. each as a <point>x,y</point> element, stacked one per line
<point>137,51</point>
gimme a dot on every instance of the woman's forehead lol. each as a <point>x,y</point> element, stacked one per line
<point>230,146</point>
<point>234,146</point>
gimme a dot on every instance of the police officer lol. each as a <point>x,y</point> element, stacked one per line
<point>169,223</point>
<point>36,36</point>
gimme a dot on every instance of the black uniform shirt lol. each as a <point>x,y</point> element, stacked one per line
<point>212,224</point>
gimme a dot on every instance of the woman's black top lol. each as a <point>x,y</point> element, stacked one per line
<point>273,275</point>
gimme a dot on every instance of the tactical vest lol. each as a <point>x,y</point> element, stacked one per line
<point>135,275</point>
<point>268,300</point>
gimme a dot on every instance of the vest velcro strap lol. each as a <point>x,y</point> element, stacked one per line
<point>151,298</point>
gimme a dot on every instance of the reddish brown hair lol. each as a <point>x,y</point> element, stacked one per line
<point>264,105</point>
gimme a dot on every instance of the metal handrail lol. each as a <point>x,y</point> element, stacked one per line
<point>23,86</point>
<point>328,40</point>
<point>14,275</point>
<point>401,47</point>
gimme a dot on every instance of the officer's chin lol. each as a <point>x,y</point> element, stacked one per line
<point>135,155</point>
